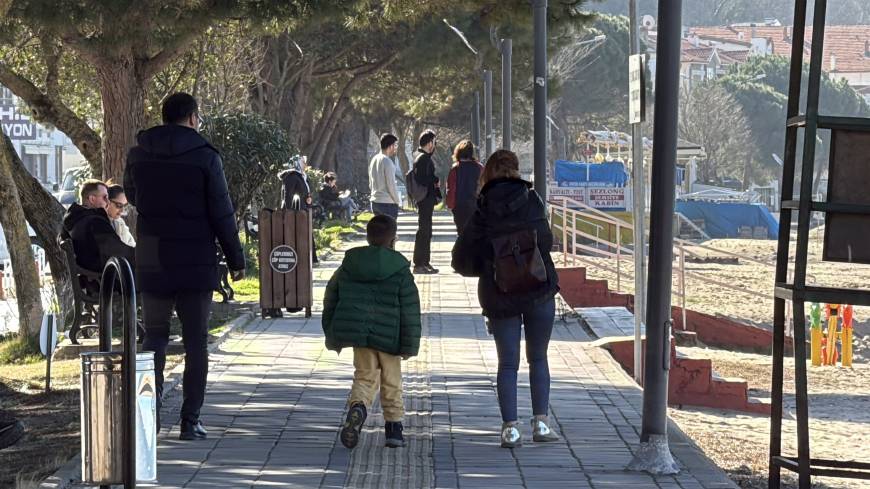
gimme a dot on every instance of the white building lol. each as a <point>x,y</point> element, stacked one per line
<point>45,151</point>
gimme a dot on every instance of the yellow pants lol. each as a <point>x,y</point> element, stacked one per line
<point>370,367</point>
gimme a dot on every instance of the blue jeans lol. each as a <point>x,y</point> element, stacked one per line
<point>391,210</point>
<point>538,323</point>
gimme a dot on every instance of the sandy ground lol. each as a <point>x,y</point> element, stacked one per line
<point>839,402</point>
<point>839,398</point>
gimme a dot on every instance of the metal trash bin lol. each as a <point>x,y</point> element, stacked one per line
<point>103,418</point>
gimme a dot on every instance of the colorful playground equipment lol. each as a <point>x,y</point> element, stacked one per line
<point>823,345</point>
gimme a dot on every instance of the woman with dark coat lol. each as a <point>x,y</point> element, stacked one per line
<point>507,206</point>
<point>462,184</point>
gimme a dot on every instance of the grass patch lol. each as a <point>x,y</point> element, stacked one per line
<point>247,289</point>
<point>329,235</point>
<point>18,349</point>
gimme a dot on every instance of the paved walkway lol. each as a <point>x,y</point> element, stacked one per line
<point>276,397</point>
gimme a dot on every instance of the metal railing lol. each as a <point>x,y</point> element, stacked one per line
<point>569,211</point>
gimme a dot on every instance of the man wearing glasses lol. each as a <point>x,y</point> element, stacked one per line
<point>90,228</point>
<point>175,178</point>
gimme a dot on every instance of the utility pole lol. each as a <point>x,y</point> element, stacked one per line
<point>654,455</point>
<point>506,100</point>
<point>475,122</point>
<point>638,186</point>
<point>487,113</point>
<point>540,71</point>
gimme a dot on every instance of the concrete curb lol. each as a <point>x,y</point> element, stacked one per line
<point>69,475</point>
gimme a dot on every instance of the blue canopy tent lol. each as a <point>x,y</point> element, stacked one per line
<point>724,219</point>
<point>570,173</point>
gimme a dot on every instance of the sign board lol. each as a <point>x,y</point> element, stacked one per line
<point>636,89</point>
<point>283,259</point>
<point>15,124</point>
<point>48,333</point>
<point>847,234</point>
<point>607,198</point>
<point>575,193</point>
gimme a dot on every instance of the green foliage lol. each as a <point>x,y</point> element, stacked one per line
<point>253,150</point>
<point>760,87</point>
<point>19,350</point>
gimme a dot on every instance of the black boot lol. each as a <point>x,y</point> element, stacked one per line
<point>393,434</point>
<point>353,423</point>
<point>192,430</point>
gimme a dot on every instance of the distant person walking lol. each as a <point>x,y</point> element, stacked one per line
<point>424,173</point>
<point>372,305</point>
<point>175,179</point>
<point>463,183</point>
<point>507,245</point>
<point>382,179</point>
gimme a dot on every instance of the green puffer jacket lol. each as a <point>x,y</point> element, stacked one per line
<point>372,301</point>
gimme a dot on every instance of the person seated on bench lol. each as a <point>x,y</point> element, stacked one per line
<point>116,210</point>
<point>333,200</point>
<point>88,225</point>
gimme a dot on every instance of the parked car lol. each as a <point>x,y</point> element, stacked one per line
<point>69,187</point>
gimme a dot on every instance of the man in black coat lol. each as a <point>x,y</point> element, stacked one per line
<point>175,179</point>
<point>88,225</point>
<point>424,173</point>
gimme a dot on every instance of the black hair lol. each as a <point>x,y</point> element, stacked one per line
<point>427,137</point>
<point>381,230</point>
<point>329,176</point>
<point>178,107</point>
<point>115,190</point>
<point>387,140</point>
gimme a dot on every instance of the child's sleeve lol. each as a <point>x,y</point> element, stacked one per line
<point>330,301</point>
<point>410,327</point>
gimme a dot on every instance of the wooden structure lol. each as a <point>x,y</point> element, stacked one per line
<point>286,278</point>
<point>847,216</point>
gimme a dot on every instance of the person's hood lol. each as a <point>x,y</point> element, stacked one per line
<point>171,140</point>
<point>502,197</point>
<point>77,213</point>
<point>373,263</point>
<point>287,172</point>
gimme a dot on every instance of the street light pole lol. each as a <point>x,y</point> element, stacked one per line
<point>638,196</point>
<point>506,100</point>
<point>487,113</point>
<point>654,454</point>
<point>540,71</point>
<point>475,122</point>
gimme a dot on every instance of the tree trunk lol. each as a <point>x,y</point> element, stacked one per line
<point>45,215</point>
<point>336,115</point>
<point>27,291</point>
<point>401,129</point>
<point>122,89</point>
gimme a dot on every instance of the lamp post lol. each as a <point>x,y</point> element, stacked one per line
<point>487,97</point>
<point>539,9</point>
<point>506,100</point>
<point>487,114</point>
<point>654,455</point>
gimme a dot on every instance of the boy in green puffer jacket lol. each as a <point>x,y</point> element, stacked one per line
<point>373,306</point>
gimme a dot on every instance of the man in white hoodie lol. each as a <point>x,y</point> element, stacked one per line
<point>382,178</point>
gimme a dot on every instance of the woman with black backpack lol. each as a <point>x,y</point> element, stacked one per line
<point>507,245</point>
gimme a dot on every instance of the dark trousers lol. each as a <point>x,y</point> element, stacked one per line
<point>538,325</point>
<point>423,240</point>
<point>193,309</point>
<point>391,210</point>
<point>462,214</point>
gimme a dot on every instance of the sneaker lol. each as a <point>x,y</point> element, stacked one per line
<point>510,435</point>
<point>393,434</point>
<point>421,270</point>
<point>353,423</point>
<point>432,269</point>
<point>541,431</point>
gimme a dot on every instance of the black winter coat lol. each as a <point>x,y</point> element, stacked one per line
<point>175,178</point>
<point>93,237</point>
<point>505,205</point>
<point>293,182</point>
<point>424,173</point>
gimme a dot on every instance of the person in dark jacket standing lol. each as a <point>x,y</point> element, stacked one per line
<point>507,204</point>
<point>175,178</point>
<point>424,173</point>
<point>462,184</point>
<point>88,225</point>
